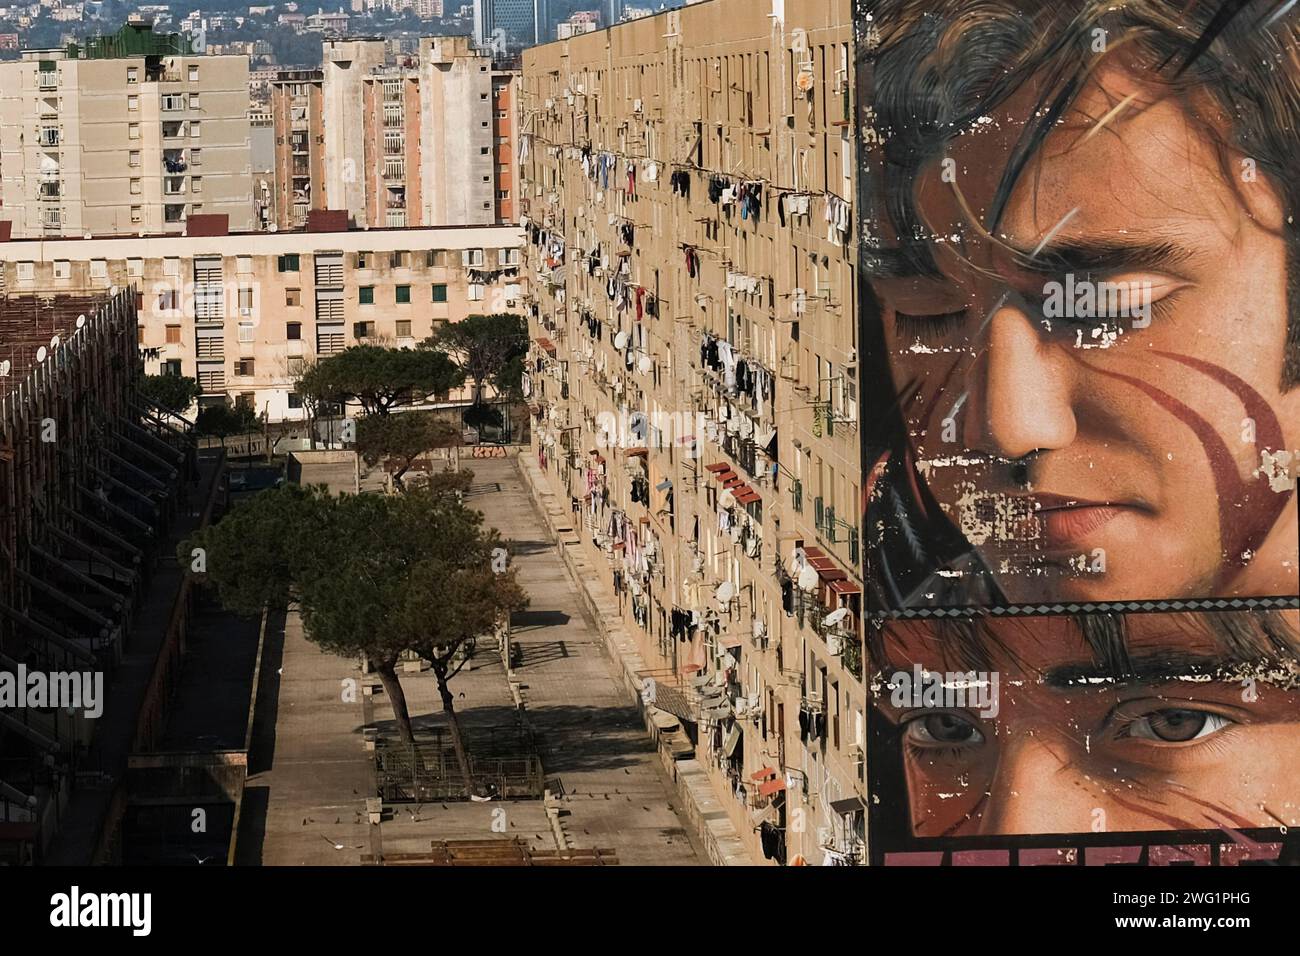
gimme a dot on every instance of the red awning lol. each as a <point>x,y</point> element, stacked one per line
<point>636,452</point>
<point>749,497</point>
<point>845,587</point>
<point>717,466</point>
<point>813,552</point>
<point>547,344</point>
<point>771,787</point>
<point>763,774</point>
<point>724,475</point>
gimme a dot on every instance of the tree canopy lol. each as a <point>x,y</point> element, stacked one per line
<point>378,575</point>
<point>174,393</point>
<point>380,378</point>
<point>486,348</point>
<point>401,439</point>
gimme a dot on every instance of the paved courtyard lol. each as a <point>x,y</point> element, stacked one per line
<point>310,772</point>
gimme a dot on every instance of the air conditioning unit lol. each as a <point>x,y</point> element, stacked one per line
<point>835,644</point>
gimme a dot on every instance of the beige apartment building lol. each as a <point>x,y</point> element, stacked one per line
<point>687,186</point>
<point>409,144</point>
<point>242,313</point>
<point>130,133</point>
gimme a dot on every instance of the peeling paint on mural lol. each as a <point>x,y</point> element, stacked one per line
<point>1081,368</point>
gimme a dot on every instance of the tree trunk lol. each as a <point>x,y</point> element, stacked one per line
<point>453,720</point>
<point>387,671</point>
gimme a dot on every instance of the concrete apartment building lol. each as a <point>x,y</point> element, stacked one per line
<point>505,127</point>
<point>409,145</point>
<point>129,133</point>
<point>241,313</point>
<point>687,182</point>
<point>298,118</point>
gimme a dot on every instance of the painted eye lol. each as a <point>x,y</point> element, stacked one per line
<point>1177,725</point>
<point>942,730</point>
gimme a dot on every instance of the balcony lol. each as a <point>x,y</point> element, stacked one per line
<point>174,213</point>
<point>174,161</point>
<point>51,190</point>
<point>47,80</point>
<point>173,129</point>
<point>48,136</point>
<point>174,186</point>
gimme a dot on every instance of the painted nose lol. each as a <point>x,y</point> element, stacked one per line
<point>1020,399</point>
<point>1036,790</point>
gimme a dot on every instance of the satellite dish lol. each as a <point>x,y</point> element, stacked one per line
<point>835,617</point>
<point>54,342</point>
<point>759,627</point>
<point>727,499</point>
<point>646,365</point>
<point>620,340</point>
<point>797,560</point>
<point>808,578</point>
<point>5,366</point>
<point>726,591</point>
<point>40,354</point>
<point>81,321</point>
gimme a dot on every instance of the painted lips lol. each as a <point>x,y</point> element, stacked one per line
<point>1064,523</point>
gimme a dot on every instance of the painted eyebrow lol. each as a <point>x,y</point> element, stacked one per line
<point>1101,255</point>
<point>1160,666</point>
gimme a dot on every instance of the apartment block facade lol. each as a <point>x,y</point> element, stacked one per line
<point>298,116</point>
<point>410,144</point>
<point>131,133</point>
<point>687,183</point>
<point>242,313</point>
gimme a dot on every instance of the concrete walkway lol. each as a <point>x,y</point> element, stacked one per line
<point>310,772</point>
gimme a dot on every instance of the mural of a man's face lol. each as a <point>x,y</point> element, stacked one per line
<point>1086,456</point>
<point>1071,750</point>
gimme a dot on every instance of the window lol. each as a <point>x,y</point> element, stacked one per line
<point>293,331</point>
<point>243,265</point>
<point>196,157</point>
<point>99,268</point>
<point>508,257</point>
<point>439,293</point>
<point>295,400</point>
<point>196,184</point>
<point>245,300</point>
<point>173,335</point>
<point>484,150</point>
<point>403,295</point>
<point>293,297</point>
<point>366,295</point>
<point>194,101</point>
<point>436,258</point>
<point>137,214</point>
<point>194,74</point>
<point>167,301</point>
<point>363,260</point>
<point>295,366</point>
<point>132,75</point>
<point>135,187</point>
<point>62,269</point>
<point>26,271</point>
<point>194,129</point>
<point>135,267</point>
<point>472,258</point>
<point>363,330</point>
<point>244,366</point>
<point>171,367</point>
<point>403,328</point>
<point>133,131</point>
<point>397,260</point>
<point>475,293</point>
<point>172,102</point>
<point>288,262</point>
<point>245,331</point>
<point>133,158</point>
<point>133,102</point>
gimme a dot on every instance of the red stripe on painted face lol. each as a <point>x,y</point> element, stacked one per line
<point>1236,537</point>
<point>1261,506</point>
